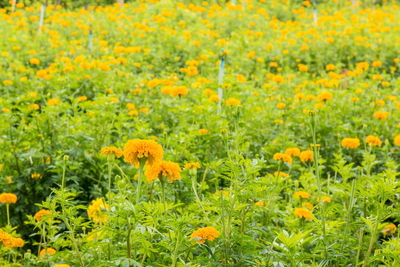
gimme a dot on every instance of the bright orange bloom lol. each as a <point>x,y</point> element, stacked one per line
<point>164,170</point>
<point>112,150</point>
<point>303,213</point>
<point>350,143</point>
<point>204,234</point>
<point>8,198</point>
<point>373,140</point>
<point>293,151</point>
<point>389,229</point>
<point>138,149</point>
<point>283,157</point>
<point>38,216</point>
<point>306,155</point>
<point>48,251</point>
<point>301,194</point>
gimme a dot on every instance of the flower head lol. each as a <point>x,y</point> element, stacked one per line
<point>96,211</point>
<point>283,157</point>
<point>112,150</point>
<point>306,155</point>
<point>350,143</point>
<point>233,102</point>
<point>138,149</point>
<point>8,198</point>
<point>303,213</point>
<point>293,151</point>
<point>373,140</point>
<point>38,215</point>
<point>192,165</point>
<point>397,140</point>
<point>164,170</point>
<point>389,229</point>
<point>204,234</point>
<point>301,194</point>
<point>48,251</point>
<point>324,97</point>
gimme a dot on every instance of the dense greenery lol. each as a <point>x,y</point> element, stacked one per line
<point>284,154</point>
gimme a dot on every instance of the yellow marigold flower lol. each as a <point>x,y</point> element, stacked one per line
<point>381,115</point>
<point>7,82</point>
<point>12,242</point>
<point>204,234</point>
<point>307,205</point>
<point>34,61</point>
<point>302,194</point>
<point>8,198</point>
<point>302,67</point>
<point>280,105</point>
<point>81,99</point>
<point>379,102</point>
<point>203,131</point>
<point>330,67</point>
<point>324,97</point>
<point>397,140</point>
<point>34,107</point>
<point>130,106</point>
<point>36,176</point>
<point>281,174</point>
<point>389,229</point>
<point>38,215</point>
<point>283,157</point>
<point>48,251</point>
<point>350,143</point>
<point>192,165</point>
<point>260,203</point>
<point>303,213</point>
<point>53,102</point>
<point>164,170</point>
<point>293,152</point>
<point>373,140</point>
<point>112,150</point>
<point>113,99</point>
<point>251,54</point>
<point>139,149</point>
<point>179,91</point>
<point>326,199</point>
<point>306,155</point>
<point>214,98</point>
<point>241,78</point>
<point>96,211</point>
<point>233,102</point>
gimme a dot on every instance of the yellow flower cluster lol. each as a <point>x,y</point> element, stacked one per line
<point>38,215</point>
<point>303,213</point>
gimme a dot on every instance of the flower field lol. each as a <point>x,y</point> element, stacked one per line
<point>195,133</point>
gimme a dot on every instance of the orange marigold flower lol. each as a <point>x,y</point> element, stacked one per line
<point>204,234</point>
<point>48,251</point>
<point>8,198</point>
<point>203,131</point>
<point>303,213</point>
<point>302,194</point>
<point>307,205</point>
<point>53,102</point>
<point>397,140</point>
<point>259,203</point>
<point>112,150</point>
<point>373,140</point>
<point>350,143</point>
<point>306,155</point>
<point>326,199</point>
<point>381,115</point>
<point>81,98</point>
<point>164,170</point>
<point>281,174</point>
<point>38,215</point>
<point>293,152</point>
<point>139,149</point>
<point>324,97</point>
<point>233,102</point>
<point>389,229</point>
<point>283,157</point>
<point>192,165</point>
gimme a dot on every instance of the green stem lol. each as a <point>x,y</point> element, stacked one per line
<point>353,186</point>
<point>163,194</point>
<point>178,240</point>
<point>140,174</point>
<point>128,241</point>
<point>63,174</point>
<point>359,245</point>
<point>109,181</point>
<point>8,213</point>
<point>194,187</point>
